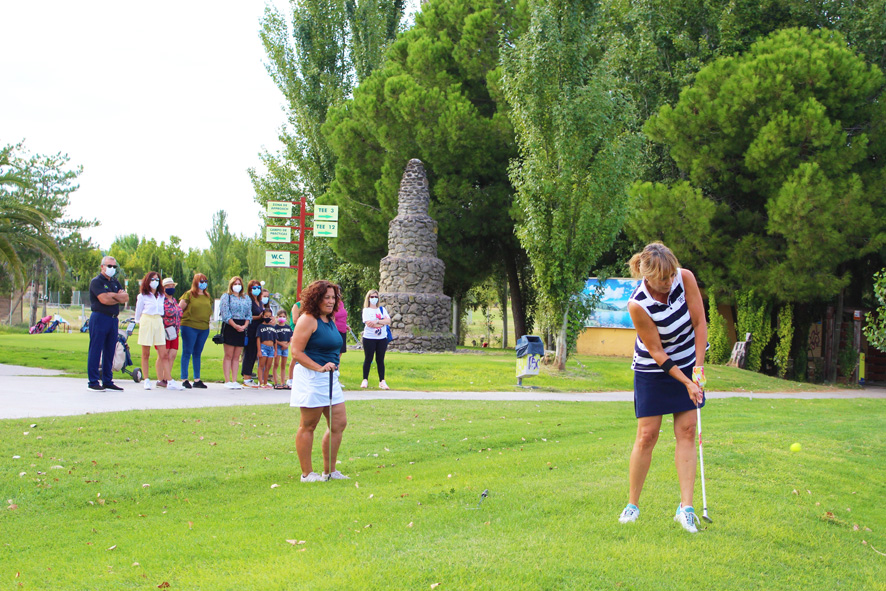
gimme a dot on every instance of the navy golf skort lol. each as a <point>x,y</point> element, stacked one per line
<point>656,394</point>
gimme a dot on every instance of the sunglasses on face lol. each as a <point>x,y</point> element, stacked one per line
<point>111,266</point>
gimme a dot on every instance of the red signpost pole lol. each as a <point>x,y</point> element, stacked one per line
<point>302,206</point>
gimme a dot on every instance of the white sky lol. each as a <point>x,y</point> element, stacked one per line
<point>165,104</point>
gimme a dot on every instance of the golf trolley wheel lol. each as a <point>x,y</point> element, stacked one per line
<point>137,375</point>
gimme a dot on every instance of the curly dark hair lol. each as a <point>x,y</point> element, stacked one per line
<point>313,295</point>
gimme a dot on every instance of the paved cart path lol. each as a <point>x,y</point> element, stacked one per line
<point>27,392</point>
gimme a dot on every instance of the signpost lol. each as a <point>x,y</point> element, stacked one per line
<point>325,225</point>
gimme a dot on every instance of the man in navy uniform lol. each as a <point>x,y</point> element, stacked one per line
<point>105,297</point>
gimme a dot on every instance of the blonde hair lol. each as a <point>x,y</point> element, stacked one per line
<point>655,261</point>
<point>366,299</point>
<point>231,285</point>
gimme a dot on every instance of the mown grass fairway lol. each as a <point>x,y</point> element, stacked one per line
<point>138,499</point>
<point>486,370</point>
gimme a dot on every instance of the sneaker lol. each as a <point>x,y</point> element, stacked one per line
<point>687,518</point>
<point>113,387</point>
<point>173,385</point>
<point>148,385</point>
<point>199,384</point>
<point>383,386</point>
<point>312,477</point>
<point>161,383</point>
<point>236,386</point>
<point>94,388</point>
<point>630,514</point>
<point>250,383</point>
<point>266,387</point>
<point>335,476</point>
<point>289,384</point>
<point>186,385</point>
<point>364,384</point>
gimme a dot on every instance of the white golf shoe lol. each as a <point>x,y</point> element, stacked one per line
<point>630,514</point>
<point>687,518</point>
<point>312,477</point>
<point>335,476</point>
<point>148,385</point>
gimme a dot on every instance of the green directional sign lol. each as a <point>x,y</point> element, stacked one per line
<point>326,213</point>
<point>325,229</point>
<point>279,234</point>
<point>279,209</point>
<point>276,258</point>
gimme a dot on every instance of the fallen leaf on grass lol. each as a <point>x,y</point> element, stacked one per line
<point>296,542</point>
<point>12,507</point>
<point>163,585</point>
<point>275,486</point>
<point>146,486</point>
<point>435,585</point>
<point>114,547</point>
<point>409,524</point>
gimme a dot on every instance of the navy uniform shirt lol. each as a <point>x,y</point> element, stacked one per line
<point>102,284</point>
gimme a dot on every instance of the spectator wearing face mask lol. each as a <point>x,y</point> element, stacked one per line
<point>197,308</point>
<point>234,308</point>
<point>172,317</point>
<point>284,335</point>
<point>250,353</point>
<point>149,316</point>
<point>105,296</point>
<point>375,338</point>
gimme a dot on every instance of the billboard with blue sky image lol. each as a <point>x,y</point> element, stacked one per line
<point>612,311</point>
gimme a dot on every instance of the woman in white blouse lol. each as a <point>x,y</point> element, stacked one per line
<point>149,315</point>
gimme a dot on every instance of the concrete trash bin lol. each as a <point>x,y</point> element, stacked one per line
<point>530,351</point>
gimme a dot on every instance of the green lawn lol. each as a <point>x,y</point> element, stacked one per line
<point>137,500</point>
<point>467,370</point>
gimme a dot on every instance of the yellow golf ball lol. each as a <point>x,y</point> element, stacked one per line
<point>796,447</point>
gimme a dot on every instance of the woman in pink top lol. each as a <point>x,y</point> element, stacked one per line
<point>341,321</point>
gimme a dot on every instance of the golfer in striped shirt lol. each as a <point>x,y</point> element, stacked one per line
<point>672,334</point>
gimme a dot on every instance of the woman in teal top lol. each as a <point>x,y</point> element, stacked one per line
<point>316,345</point>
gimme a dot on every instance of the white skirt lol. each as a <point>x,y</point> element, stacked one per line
<point>310,389</point>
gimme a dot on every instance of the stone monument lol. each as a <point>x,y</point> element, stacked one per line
<point>411,284</point>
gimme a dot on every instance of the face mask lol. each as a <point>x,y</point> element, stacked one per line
<point>281,321</point>
<point>202,285</point>
<point>110,271</point>
<point>170,290</point>
<point>237,288</point>
<point>256,291</point>
<point>373,301</point>
<point>154,283</point>
<point>264,300</point>
<point>266,320</point>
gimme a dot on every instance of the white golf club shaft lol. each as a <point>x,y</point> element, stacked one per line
<point>704,496</point>
<point>331,374</point>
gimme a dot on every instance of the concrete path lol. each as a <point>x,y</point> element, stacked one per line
<point>27,392</point>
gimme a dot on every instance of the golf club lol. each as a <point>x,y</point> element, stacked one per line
<point>329,474</point>
<point>699,378</point>
<point>704,496</point>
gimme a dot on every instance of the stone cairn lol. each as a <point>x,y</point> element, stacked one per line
<point>411,284</point>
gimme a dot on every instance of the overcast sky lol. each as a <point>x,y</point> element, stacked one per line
<point>165,104</point>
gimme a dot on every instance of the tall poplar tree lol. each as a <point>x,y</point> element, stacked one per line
<point>317,53</point>
<point>577,154</point>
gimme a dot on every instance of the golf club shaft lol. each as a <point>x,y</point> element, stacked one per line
<point>331,374</point>
<point>704,496</point>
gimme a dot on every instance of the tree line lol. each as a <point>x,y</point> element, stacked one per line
<point>559,136</point>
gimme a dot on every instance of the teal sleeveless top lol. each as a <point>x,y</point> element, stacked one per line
<point>325,344</point>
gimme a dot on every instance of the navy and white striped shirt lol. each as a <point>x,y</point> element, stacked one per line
<point>674,327</point>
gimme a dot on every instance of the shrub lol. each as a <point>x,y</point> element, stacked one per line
<point>718,336</point>
<point>754,316</point>
<point>875,330</point>
<point>785,337</point>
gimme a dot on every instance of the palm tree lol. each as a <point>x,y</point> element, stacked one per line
<point>22,227</point>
